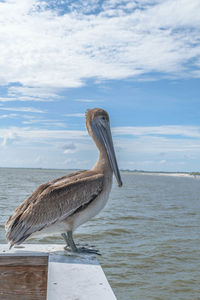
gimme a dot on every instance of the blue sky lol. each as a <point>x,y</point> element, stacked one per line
<point>139,60</point>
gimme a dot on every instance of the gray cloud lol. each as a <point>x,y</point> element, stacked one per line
<point>69,148</point>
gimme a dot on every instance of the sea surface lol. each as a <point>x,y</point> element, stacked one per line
<point>148,233</point>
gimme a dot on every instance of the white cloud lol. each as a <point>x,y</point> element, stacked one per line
<point>155,145</point>
<point>34,120</point>
<point>19,93</point>
<point>78,115</point>
<point>70,161</point>
<point>7,136</point>
<point>23,109</point>
<point>187,131</point>
<point>85,100</point>
<point>23,93</point>
<point>8,116</point>
<point>7,99</point>
<point>38,159</point>
<point>163,161</point>
<point>40,135</point>
<point>42,48</point>
<point>155,153</point>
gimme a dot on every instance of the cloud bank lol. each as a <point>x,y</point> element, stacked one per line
<point>169,148</point>
<point>49,46</point>
<point>63,43</point>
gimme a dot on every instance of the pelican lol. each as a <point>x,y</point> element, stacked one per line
<point>61,205</point>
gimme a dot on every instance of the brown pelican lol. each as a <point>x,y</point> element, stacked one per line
<point>67,202</point>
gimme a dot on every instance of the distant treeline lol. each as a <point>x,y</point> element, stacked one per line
<point>195,173</point>
<point>165,172</point>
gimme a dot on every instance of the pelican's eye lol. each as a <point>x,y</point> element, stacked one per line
<point>102,121</point>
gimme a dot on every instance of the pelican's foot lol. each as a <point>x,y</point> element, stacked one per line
<point>88,250</point>
<point>71,246</point>
<point>82,250</point>
<point>67,248</point>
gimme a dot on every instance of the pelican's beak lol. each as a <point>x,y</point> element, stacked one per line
<point>103,132</point>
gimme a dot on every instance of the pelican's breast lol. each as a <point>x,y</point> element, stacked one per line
<point>93,208</point>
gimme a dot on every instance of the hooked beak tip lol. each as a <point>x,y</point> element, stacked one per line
<point>120,184</point>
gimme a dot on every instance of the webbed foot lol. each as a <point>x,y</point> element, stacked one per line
<point>88,250</point>
<point>82,250</point>
<point>71,246</point>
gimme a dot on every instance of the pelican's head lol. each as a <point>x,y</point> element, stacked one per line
<point>98,125</point>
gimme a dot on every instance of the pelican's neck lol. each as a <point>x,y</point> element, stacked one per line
<point>103,163</point>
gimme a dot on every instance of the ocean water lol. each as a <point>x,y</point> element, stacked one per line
<point>148,233</point>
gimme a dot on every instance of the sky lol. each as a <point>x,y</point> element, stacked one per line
<point>138,60</point>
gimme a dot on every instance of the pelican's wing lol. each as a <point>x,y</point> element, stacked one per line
<point>53,202</point>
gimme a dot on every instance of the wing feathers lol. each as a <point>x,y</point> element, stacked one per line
<point>53,202</point>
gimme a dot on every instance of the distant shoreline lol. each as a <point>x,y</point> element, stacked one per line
<point>181,174</point>
<point>169,174</point>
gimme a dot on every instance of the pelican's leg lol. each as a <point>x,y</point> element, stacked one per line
<point>70,243</point>
<point>65,237</point>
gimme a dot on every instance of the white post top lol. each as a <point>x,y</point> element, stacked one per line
<point>70,276</point>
